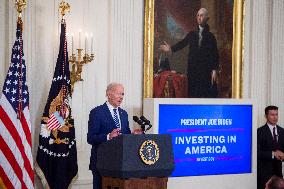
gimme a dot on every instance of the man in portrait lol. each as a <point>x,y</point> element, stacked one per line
<point>203,58</point>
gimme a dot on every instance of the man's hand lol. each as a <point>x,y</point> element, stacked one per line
<point>165,47</point>
<point>279,155</point>
<point>213,77</point>
<point>114,133</point>
<point>137,132</point>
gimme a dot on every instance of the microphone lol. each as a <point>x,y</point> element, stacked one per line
<point>146,121</point>
<point>141,123</point>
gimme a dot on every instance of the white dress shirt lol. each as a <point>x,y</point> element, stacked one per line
<point>271,130</point>
<point>200,35</point>
<point>110,107</point>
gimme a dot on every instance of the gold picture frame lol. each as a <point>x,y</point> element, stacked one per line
<point>237,48</point>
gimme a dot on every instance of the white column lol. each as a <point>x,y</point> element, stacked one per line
<point>247,64</point>
<point>277,59</point>
<point>260,55</point>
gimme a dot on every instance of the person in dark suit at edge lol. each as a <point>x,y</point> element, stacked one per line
<point>106,122</point>
<point>203,58</point>
<point>270,148</point>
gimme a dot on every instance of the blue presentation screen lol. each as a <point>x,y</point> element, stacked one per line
<point>209,139</point>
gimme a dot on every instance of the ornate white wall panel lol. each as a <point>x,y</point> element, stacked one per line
<point>263,59</point>
<point>117,26</point>
<point>277,58</point>
<point>93,18</point>
<point>126,63</point>
<point>277,62</point>
<point>260,53</point>
<point>41,46</point>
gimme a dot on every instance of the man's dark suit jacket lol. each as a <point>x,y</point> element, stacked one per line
<point>100,125</point>
<point>266,166</point>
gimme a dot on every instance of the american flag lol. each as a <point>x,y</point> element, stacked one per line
<point>16,161</point>
<point>55,121</point>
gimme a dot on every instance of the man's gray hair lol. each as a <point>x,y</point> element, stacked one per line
<point>112,86</point>
<point>205,11</point>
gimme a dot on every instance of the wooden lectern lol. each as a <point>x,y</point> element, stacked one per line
<point>136,162</point>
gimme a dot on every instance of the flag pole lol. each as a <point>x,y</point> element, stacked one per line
<point>64,8</point>
<point>20,6</point>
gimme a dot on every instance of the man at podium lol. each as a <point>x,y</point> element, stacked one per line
<point>106,122</point>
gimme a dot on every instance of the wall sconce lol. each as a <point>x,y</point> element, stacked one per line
<point>79,60</point>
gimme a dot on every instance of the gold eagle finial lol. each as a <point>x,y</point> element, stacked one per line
<point>20,5</point>
<point>64,8</point>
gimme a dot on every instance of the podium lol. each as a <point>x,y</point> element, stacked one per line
<point>136,161</point>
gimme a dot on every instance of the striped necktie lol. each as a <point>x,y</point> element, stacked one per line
<point>115,118</point>
<point>274,134</point>
<point>275,142</point>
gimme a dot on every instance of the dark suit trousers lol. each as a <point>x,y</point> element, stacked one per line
<point>97,180</point>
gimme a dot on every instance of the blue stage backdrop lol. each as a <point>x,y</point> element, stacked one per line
<point>209,139</point>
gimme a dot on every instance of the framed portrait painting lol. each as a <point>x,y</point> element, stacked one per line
<point>193,48</point>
